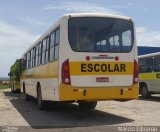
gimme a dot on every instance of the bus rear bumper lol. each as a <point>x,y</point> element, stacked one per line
<point>68,92</point>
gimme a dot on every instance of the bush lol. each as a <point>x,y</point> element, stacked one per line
<point>4,86</point>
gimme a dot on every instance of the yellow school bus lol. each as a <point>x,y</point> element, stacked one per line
<point>149,68</point>
<point>83,58</point>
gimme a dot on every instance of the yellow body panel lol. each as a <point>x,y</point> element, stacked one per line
<point>76,68</point>
<point>68,92</point>
<point>49,70</point>
<point>149,76</point>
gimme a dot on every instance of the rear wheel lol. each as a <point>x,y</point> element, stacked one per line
<point>87,105</point>
<point>144,92</point>
<point>41,103</point>
<point>24,89</point>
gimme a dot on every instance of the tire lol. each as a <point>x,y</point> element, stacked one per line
<point>87,105</point>
<point>40,102</point>
<point>144,92</point>
<point>24,89</point>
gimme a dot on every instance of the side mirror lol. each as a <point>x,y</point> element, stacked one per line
<point>9,74</point>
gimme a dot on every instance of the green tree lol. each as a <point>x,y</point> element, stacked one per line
<point>16,70</point>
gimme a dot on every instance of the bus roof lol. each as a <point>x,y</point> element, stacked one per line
<point>56,24</point>
<point>149,55</point>
<point>98,15</point>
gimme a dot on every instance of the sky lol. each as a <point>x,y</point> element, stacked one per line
<point>23,21</point>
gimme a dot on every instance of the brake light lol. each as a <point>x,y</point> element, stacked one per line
<point>66,73</point>
<point>136,73</point>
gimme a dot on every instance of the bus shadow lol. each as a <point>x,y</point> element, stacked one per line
<point>62,115</point>
<point>154,98</point>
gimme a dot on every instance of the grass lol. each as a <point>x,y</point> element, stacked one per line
<point>4,86</point>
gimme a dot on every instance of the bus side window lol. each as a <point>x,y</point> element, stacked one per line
<point>24,66</point>
<point>28,60</point>
<point>44,51</point>
<point>146,65</point>
<point>34,56</point>
<point>157,64</point>
<point>37,50</point>
<point>31,58</point>
<point>47,50</point>
<point>52,39</point>
<point>57,38</point>
<point>39,54</point>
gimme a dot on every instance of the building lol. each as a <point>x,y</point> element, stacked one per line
<point>147,50</point>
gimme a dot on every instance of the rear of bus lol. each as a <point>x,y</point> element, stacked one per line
<point>98,58</point>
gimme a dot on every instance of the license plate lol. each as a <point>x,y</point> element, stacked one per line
<point>102,79</point>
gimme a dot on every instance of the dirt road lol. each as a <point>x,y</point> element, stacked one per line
<point>15,111</point>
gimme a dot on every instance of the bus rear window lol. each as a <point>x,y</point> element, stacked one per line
<point>95,34</point>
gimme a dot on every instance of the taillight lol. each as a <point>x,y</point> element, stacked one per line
<point>136,73</point>
<point>66,73</point>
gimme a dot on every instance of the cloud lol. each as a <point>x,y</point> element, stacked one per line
<point>31,22</point>
<point>13,42</point>
<point>121,6</point>
<point>147,38</point>
<point>81,7</point>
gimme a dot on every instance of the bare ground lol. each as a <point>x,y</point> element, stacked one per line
<point>15,111</point>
